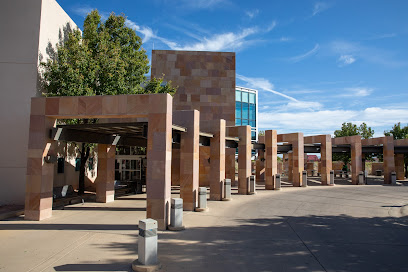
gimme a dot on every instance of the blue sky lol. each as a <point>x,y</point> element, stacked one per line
<point>316,64</point>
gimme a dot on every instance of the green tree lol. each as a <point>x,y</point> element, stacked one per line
<point>107,58</point>
<point>350,129</point>
<point>398,132</point>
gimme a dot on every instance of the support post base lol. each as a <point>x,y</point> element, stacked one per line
<point>138,267</point>
<point>202,209</point>
<point>176,228</point>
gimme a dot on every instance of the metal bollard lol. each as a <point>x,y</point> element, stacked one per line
<point>227,190</point>
<point>202,200</point>
<point>304,178</point>
<point>277,182</point>
<point>176,214</point>
<point>361,178</point>
<point>393,178</point>
<point>147,246</point>
<point>331,181</point>
<point>252,185</point>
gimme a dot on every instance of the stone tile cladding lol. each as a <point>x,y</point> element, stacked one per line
<point>326,155</point>
<point>205,80</point>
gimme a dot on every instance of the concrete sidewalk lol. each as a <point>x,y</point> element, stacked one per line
<point>319,228</point>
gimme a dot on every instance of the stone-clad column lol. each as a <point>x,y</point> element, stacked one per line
<point>356,159</point>
<point>189,157</point>
<point>260,163</point>
<point>105,181</point>
<point>244,159</point>
<point>40,174</point>
<point>290,166</point>
<point>298,159</point>
<point>230,164</point>
<point>326,159</point>
<point>271,158</point>
<point>159,144</point>
<point>244,156</point>
<point>388,154</point>
<point>399,166</point>
<point>217,157</point>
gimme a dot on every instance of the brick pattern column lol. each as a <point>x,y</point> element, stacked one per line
<point>399,166</point>
<point>326,159</point>
<point>230,164</point>
<point>260,163</point>
<point>159,144</point>
<point>388,154</point>
<point>189,157</point>
<point>244,159</point>
<point>40,174</point>
<point>290,167</point>
<point>271,158</point>
<point>356,160</point>
<point>105,181</point>
<point>217,160</point>
<point>217,156</point>
<point>298,159</point>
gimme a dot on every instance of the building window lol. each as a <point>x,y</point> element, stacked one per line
<point>77,164</point>
<point>238,111</point>
<point>245,111</point>
<point>60,165</point>
<point>91,164</point>
<point>238,121</point>
<point>237,96</point>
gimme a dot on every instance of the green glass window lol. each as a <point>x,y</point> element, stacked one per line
<point>252,112</point>
<point>245,111</point>
<point>245,122</point>
<point>253,135</point>
<point>77,164</point>
<point>252,123</point>
<point>237,96</point>
<point>237,122</point>
<point>252,98</point>
<point>238,112</point>
<point>245,97</point>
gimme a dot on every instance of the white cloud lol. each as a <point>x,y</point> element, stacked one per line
<point>358,92</point>
<point>305,55</point>
<point>346,60</point>
<point>264,84</point>
<point>146,31</point>
<point>85,10</point>
<point>369,54</point>
<point>82,11</point>
<point>326,121</point>
<point>220,42</point>
<point>271,26</point>
<point>202,4</point>
<point>252,13</point>
<point>319,7</point>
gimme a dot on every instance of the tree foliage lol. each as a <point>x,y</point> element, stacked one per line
<point>107,58</point>
<point>350,129</point>
<point>397,132</point>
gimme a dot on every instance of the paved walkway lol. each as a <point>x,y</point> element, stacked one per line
<point>319,228</point>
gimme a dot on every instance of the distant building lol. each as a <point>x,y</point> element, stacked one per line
<point>246,109</point>
<point>312,158</point>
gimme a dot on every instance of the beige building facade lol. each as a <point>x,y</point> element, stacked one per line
<point>26,29</point>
